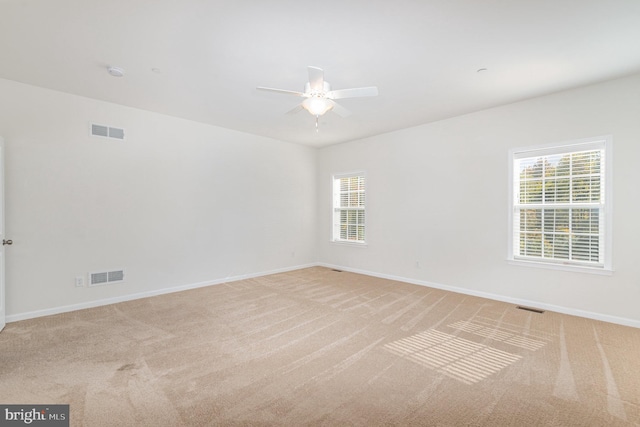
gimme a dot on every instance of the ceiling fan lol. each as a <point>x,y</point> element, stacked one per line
<point>319,98</point>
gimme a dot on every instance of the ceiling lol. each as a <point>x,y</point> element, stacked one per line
<point>202,60</point>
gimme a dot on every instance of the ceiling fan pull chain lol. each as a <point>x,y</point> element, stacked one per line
<point>317,130</point>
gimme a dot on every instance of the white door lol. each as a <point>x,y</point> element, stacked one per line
<point>2,237</point>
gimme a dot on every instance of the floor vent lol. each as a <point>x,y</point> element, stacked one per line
<point>337,271</point>
<point>107,131</point>
<point>534,310</point>
<point>106,277</point>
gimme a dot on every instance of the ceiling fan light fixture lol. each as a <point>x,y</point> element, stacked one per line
<point>317,106</point>
<point>319,98</point>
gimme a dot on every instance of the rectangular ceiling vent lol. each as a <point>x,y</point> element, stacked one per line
<point>106,277</point>
<point>107,131</point>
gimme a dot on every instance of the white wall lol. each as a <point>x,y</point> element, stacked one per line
<point>181,203</point>
<point>437,196</point>
<point>178,203</point>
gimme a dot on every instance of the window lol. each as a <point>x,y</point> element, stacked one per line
<point>561,205</point>
<point>349,208</point>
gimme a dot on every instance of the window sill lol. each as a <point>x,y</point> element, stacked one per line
<point>562,267</point>
<point>348,243</point>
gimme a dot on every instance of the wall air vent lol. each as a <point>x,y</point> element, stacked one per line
<point>106,277</point>
<point>107,131</point>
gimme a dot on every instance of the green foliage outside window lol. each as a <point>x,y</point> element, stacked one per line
<point>556,198</point>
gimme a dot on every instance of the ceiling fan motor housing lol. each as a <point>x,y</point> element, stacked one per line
<point>308,91</point>
<point>319,98</point>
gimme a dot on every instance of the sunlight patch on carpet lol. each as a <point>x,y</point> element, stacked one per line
<point>498,335</point>
<point>461,359</point>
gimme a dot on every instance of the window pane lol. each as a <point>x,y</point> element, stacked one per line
<point>556,220</point>
<point>563,168</point>
<point>580,163</point>
<point>581,189</point>
<point>565,227</point>
<point>563,190</point>
<point>595,188</point>
<point>595,249</point>
<point>562,220</point>
<point>532,192</point>
<point>585,221</point>
<point>550,191</point>
<point>549,220</point>
<point>551,166</point>
<point>355,182</point>
<point>581,248</point>
<point>585,163</point>
<point>532,244</point>
<point>530,220</point>
<point>561,246</point>
<point>549,245</point>
<point>349,213</point>
<point>361,217</point>
<point>351,217</point>
<point>535,170</point>
<point>352,232</point>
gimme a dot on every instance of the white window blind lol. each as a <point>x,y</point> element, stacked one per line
<point>349,208</point>
<point>560,210</point>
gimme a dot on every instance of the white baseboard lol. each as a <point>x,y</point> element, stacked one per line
<point>496,297</point>
<point>130,297</point>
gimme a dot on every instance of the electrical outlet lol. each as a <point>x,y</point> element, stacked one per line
<point>79,282</point>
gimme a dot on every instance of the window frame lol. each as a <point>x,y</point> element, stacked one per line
<point>336,209</point>
<point>606,221</point>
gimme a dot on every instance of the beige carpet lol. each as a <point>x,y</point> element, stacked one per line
<point>320,347</point>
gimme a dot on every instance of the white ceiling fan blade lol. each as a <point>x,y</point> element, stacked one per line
<point>339,109</point>
<point>316,79</point>
<point>356,92</point>
<point>319,98</point>
<point>296,109</point>
<point>283,91</point>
